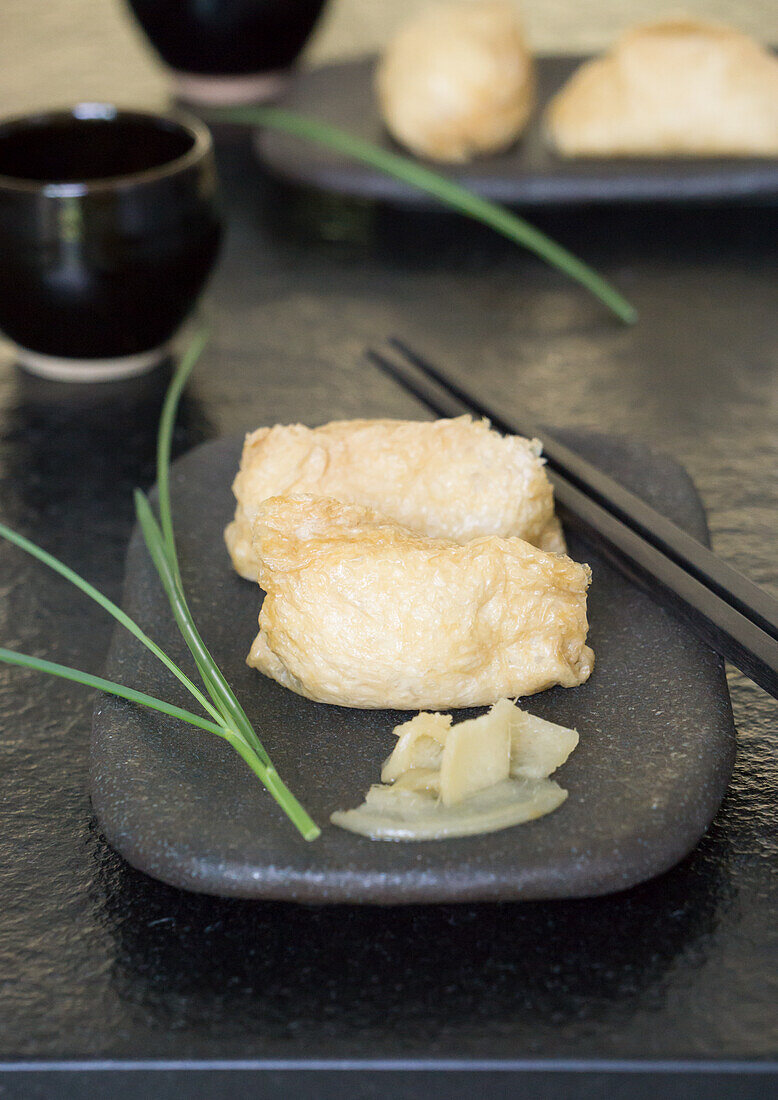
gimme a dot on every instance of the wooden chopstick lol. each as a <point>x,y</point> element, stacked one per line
<point>736,630</point>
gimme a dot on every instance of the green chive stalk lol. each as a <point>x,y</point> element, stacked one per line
<point>65,672</point>
<point>161,544</point>
<point>231,723</point>
<point>446,191</point>
<point>108,605</point>
<point>267,776</point>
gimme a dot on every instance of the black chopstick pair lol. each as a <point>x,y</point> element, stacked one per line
<point>732,615</point>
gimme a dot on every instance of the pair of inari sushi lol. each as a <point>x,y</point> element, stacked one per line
<point>407,564</point>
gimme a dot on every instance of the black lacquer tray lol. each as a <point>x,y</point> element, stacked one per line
<point>656,751</point>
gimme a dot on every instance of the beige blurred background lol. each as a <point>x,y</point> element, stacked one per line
<point>90,49</point>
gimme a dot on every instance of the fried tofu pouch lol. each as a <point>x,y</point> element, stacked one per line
<point>361,612</point>
<point>457,80</point>
<point>454,479</point>
<point>675,88</point>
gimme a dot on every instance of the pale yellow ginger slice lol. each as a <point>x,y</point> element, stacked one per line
<point>477,754</point>
<point>419,779</point>
<point>395,813</point>
<point>538,747</point>
<point>481,775</point>
<point>420,745</point>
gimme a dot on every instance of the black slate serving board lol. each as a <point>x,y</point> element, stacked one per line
<point>528,174</point>
<point>656,751</point>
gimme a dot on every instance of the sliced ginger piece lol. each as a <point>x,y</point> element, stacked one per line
<point>392,813</point>
<point>538,747</point>
<point>419,779</point>
<point>420,745</point>
<point>477,754</point>
<point>477,776</point>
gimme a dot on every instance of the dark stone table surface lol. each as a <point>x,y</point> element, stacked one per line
<point>99,965</point>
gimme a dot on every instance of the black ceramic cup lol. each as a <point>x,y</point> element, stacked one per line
<point>228,51</point>
<point>108,231</point>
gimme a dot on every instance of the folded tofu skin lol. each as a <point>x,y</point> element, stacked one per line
<point>449,479</point>
<point>457,80</point>
<point>360,611</point>
<point>679,87</point>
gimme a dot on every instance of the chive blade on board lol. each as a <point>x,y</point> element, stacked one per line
<point>218,687</point>
<point>65,672</point>
<point>231,723</point>
<point>223,696</point>
<point>161,544</point>
<point>267,774</point>
<point>440,187</point>
<point>165,557</point>
<point>108,605</point>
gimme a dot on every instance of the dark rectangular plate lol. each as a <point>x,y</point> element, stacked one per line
<point>530,173</point>
<point>655,756</point>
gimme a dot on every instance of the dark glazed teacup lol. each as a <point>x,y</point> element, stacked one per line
<point>228,51</point>
<point>108,232</point>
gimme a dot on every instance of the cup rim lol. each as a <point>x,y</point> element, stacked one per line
<point>202,145</point>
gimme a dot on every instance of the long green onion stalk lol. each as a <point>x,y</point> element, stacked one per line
<point>65,672</point>
<point>227,719</point>
<point>432,183</point>
<point>108,605</point>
